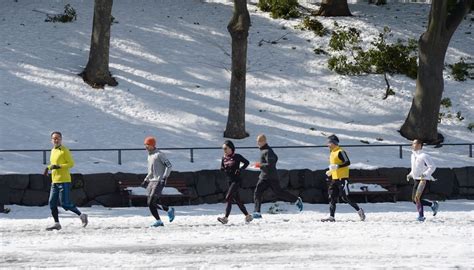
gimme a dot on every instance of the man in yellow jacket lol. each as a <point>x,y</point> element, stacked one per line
<point>339,174</point>
<point>60,163</point>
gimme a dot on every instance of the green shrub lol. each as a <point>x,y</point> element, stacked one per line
<point>393,58</point>
<point>446,102</point>
<point>440,117</point>
<point>69,15</point>
<point>314,25</point>
<point>341,38</point>
<point>320,51</point>
<point>113,20</point>
<point>397,58</point>
<point>285,9</point>
<point>470,126</point>
<point>460,71</point>
<point>341,65</point>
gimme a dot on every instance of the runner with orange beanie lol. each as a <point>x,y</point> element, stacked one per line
<point>159,168</point>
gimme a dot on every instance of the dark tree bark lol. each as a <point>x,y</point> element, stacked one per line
<point>334,8</point>
<point>378,2</point>
<point>422,120</point>
<point>97,72</point>
<point>238,28</point>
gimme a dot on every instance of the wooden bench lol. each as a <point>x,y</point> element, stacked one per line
<point>179,184</point>
<point>382,181</point>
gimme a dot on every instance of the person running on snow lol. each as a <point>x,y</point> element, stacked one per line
<point>159,168</point>
<point>230,164</point>
<point>268,178</point>
<point>422,167</point>
<point>339,174</point>
<point>60,163</point>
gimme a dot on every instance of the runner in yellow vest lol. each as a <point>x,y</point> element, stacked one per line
<point>339,175</point>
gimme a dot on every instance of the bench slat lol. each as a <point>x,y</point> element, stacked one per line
<point>383,181</point>
<point>179,184</point>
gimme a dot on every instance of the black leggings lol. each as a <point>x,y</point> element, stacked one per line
<point>234,197</point>
<point>155,190</point>
<point>274,184</point>
<point>154,206</point>
<point>339,189</point>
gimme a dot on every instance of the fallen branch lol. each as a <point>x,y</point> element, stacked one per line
<point>46,13</point>
<point>260,43</point>
<point>388,90</point>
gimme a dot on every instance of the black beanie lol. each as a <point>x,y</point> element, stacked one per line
<point>230,144</point>
<point>333,139</point>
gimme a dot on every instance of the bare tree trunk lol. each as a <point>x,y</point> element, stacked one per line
<point>422,120</point>
<point>238,28</point>
<point>97,72</point>
<point>334,8</point>
<point>378,2</point>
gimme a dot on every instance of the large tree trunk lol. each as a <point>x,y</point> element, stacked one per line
<point>97,72</point>
<point>239,30</point>
<point>333,8</point>
<point>422,120</point>
<point>378,2</point>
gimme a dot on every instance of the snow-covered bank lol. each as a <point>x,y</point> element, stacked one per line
<point>170,59</point>
<point>120,238</point>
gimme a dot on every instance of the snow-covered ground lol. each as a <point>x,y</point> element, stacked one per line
<point>171,59</point>
<point>121,238</point>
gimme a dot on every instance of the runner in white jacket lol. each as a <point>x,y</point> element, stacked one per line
<point>422,168</point>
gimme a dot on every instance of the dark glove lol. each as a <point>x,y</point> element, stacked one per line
<point>237,172</point>
<point>54,167</point>
<point>144,184</point>
<point>46,170</point>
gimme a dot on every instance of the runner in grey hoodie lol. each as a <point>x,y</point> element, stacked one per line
<point>159,168</point>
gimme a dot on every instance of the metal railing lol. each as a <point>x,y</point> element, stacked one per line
<point>192,149</point>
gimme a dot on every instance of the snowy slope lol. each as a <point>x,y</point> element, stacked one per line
<point>171,59</point>
<point>120,238</point>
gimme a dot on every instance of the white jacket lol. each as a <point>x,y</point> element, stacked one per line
<point>422,166</point>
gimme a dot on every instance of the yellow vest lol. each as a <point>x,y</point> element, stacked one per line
<point>61,156</point>
<point>334,159</point>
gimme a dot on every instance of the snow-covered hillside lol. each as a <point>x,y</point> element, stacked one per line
<point>171,59</point>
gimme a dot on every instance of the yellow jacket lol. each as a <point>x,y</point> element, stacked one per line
<point>61,156</point>
<point>339,157</point>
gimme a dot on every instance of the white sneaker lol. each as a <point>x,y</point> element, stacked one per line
<point>56,226</point>
<point>361,214</point>
<point>248,218</point>
<point>223,220</point>
<point>328,219</point>
<point>84,220</point>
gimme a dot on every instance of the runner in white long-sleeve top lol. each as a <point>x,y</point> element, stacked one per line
<point>422,168</point>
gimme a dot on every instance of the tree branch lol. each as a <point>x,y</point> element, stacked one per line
<point>455,18</point>
<point>437,12</point>
<point>260,43</point>
<point>388,90</point>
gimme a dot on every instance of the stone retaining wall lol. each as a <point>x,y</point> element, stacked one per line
<point>209,186</point>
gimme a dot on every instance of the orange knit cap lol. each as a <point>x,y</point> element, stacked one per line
<point>150,141</point>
